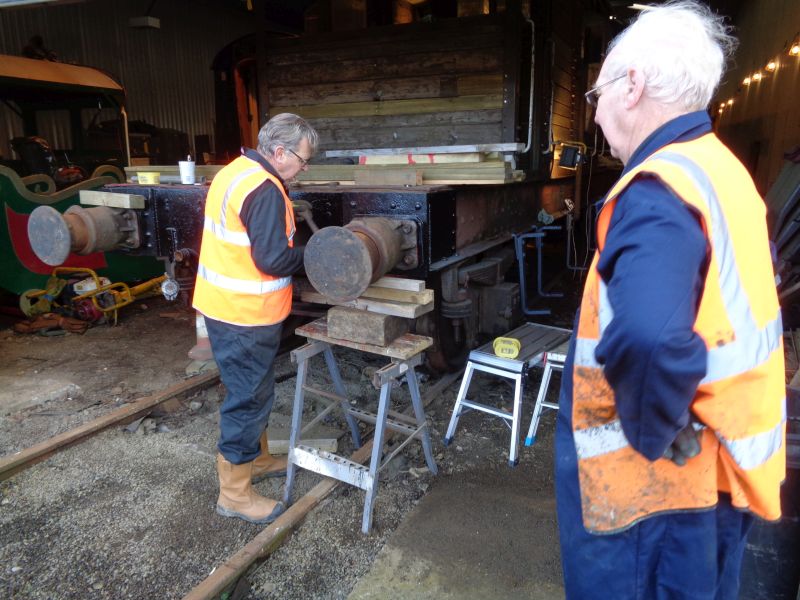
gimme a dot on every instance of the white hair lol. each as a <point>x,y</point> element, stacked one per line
<point>680,47</point>
<point>287,130</point>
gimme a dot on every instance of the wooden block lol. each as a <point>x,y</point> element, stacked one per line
<point>374,176</point>
<point>406,310</point>
<point>364,327</point>
<point>400,283</point>
<point>490,171</point>
<point>93,198</point>
<point>403,348</point>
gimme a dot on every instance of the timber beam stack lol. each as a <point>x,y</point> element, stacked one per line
<point>487,172</point>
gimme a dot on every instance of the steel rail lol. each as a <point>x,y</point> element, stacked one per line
<point>21,460</point>
<point>226,575</point>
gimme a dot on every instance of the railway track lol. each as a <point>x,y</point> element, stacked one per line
<point>226,575</point>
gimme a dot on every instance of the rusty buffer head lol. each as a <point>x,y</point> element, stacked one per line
<point>49,235</point>
<point>338,263</point>
<point>341,262</point>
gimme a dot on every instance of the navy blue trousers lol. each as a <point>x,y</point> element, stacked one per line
<point>694,555</point>
<point>246,360</point>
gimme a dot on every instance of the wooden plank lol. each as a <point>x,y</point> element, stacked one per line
<point>9,465</point>
<point>488,83</point>
<point>385,307</point>
<point>392,107</point>
<point>358,91</point>
<point>378,176</point>
<point>382,41</point>
<point>463,117</point>
<point>400,283</point>
<point>564,79</point>
<point>429,172</point>
<point>398,65</point>
<point>413,159</point>
<point>381,293</point>
<point>477,148</point>
<point>95,198</point>
<point>384,137</point>
<point>402,348</point>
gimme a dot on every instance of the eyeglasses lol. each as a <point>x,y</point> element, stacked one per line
<point>592,96</point>
<point>303,161</point>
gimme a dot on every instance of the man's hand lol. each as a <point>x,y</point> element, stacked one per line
<point>685,445</point>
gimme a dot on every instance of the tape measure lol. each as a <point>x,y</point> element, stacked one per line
<point>505,347</point>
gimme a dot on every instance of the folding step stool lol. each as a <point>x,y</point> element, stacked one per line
<point>535,340</point>
<point>405,353</point>
<point>551,360</point>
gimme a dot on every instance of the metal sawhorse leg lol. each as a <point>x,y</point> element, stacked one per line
<point>341,468</point>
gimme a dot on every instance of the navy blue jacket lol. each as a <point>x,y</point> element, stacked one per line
<point>654,264</point>
<point>263,214</point>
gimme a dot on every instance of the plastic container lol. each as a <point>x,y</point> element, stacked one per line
<point>149,177</point>
<point>506,347</point>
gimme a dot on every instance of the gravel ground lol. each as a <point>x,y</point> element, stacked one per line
<point>131,515</point>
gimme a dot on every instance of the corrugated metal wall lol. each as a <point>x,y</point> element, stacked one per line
<point>166,72</point>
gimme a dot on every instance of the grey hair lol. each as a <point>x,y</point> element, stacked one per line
<point>287,130</point>
<point>681,47</point>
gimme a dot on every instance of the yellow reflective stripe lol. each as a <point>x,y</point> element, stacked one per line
<point>753,451</point>
<point>603,439</point>
<point>237,238</point>
<point>229,192</point>
<point>243,286</point>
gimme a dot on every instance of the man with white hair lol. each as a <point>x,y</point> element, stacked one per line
<point>244,290</point>
<point>671,433</point>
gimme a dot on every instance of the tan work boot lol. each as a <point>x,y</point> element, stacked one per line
<point>267,465</point>
<point>237,498</point>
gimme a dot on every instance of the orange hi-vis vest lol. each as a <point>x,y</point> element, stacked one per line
<point>229,285</point>
<point>741,401</point>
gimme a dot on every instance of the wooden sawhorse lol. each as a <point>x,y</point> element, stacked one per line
<point>405,354</point>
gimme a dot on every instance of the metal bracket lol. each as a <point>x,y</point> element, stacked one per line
<point>394,370</point>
